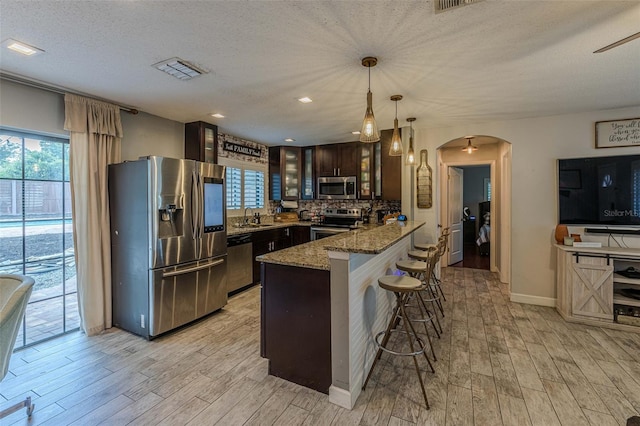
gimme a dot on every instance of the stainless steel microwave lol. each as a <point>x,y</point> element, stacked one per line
<point>337,188</point>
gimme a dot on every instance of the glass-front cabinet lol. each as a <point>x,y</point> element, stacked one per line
<point>307,173</point>
<point>200,141</point>
<point>366,166</point>
<point>291,173</point>
<point>290,158</point>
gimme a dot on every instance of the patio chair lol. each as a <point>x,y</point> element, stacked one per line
<point>14,295</point>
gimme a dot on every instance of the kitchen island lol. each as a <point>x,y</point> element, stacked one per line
<point>321,307</point>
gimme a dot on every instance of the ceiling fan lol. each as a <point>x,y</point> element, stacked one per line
<point>618,43</point>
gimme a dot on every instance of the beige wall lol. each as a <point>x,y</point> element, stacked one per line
<point>31,109</point>
<point>145,134</point>
<point>537,143</point>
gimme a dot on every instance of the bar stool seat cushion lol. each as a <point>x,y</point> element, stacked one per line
<point>411,266</point>
<point>399,283</point>
<point>425,246</point>
<point>423,255</point>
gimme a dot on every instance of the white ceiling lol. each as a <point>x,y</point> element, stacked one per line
<point>491,60</point>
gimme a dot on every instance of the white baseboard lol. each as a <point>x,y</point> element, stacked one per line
<point>533,300</point>
<point>341,397</point>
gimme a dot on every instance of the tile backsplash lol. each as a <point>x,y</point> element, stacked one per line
<point>318,206</point>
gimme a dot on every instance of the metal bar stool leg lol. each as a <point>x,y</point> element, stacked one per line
<point>433,298</point>
<point>422,305</point>
<point>408,324</point>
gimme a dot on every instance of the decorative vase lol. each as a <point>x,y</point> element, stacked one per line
<point>561,232</point>
<point>423,182</point>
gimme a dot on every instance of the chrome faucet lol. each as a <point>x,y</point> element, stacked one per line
<point>245,221</point>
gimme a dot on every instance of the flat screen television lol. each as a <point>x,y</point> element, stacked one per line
<point>599,191</point>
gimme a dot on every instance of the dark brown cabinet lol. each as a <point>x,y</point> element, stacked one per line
<point>267,241</point>
<point>276,239</point>
<point>291,173</point>
<point>340,159</point>
<point>201,142</point>
<point>379,174</point>
<point>390,170</point>
<point>300,235</point>
<point>293,176</point>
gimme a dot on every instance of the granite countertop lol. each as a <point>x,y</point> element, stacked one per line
<point>374,241</point>
<point>234,230</point>
<point>370,239</point>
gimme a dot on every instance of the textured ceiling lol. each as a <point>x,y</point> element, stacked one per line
<point>490,60</point>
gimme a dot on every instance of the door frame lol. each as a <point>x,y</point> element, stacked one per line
<point>455,234</point>
<point>443,218</point>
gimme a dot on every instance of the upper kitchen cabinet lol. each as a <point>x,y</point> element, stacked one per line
<point>340,159</point>
<point>291,173</point>
<point>201,142</point>
<point>366,175</point>
<point>388,174</point>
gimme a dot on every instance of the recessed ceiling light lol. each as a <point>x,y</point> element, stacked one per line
<point>20,47</point>
<point>357,132</point>
<point>217,115</point>
<point>305,100</point>
<point>289,140</point>
<point>179,68</point>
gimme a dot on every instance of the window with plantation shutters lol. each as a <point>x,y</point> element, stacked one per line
<point>245,185</point>
<point>234,188</point>
<point>253,189</point>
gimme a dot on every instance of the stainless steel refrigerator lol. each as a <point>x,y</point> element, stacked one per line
<point>168,243</point>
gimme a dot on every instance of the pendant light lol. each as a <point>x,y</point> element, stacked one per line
<point>469,149</point>
<point>411,156</point>
<point>395,150</point>
<point>369,132</point>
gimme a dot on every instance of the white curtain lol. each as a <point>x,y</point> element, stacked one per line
<point>95,133</point>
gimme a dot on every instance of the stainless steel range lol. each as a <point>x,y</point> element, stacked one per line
<point>336,221</point>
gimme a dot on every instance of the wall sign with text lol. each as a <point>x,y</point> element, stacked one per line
<point>618,133</point>
<point>242,149</point>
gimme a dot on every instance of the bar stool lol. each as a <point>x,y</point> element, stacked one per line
<point>428,259</point>
<point>431,257</point>
<point>421,270</point>
<point>426,246</point>
<point>402,287</point>
<point>441,245</point>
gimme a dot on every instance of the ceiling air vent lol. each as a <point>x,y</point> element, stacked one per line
<point>443,5</point>
<point>179,68</point>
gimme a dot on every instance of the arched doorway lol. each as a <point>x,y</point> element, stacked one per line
<point>492,231</point>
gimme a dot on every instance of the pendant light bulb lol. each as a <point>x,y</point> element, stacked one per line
<point>469,149</point>
<point>369,132</point>
<point>395,150</point>
<point>411,156</point>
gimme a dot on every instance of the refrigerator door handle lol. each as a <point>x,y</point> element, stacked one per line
<point>194,205</point>
<point>192,268</point>
<point>200,211</point>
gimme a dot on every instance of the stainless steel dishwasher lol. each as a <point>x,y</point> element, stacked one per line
<point>239,261</point>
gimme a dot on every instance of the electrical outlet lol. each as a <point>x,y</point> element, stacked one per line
<point>142,320</point>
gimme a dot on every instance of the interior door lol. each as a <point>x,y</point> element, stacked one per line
<point>455,182</point>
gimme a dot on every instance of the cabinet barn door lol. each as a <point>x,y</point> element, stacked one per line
<point>592,288</point>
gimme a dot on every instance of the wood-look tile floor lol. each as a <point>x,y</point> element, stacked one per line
<point>498,363</point>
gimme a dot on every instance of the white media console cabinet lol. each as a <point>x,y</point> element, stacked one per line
<point>589,285</point>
